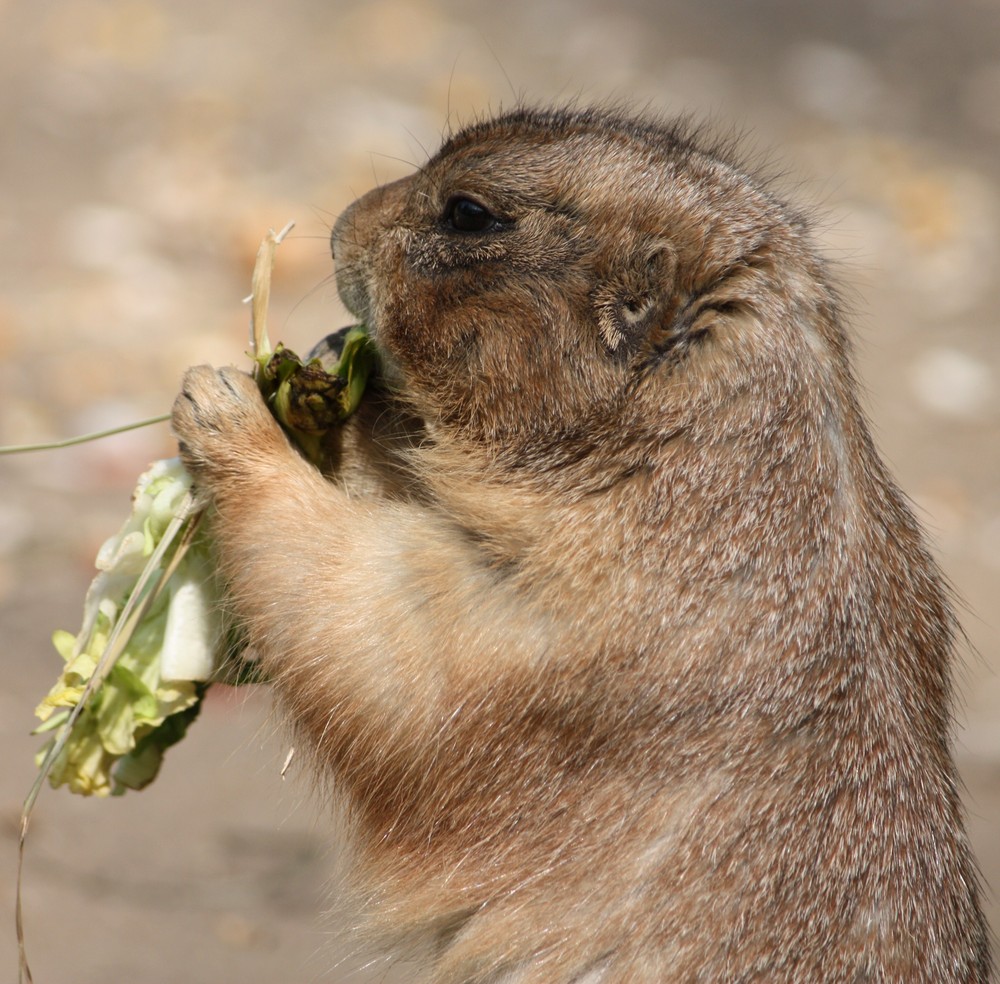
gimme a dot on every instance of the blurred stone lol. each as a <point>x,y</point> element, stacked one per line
<point>978,725</point>
<point>370,137</point>
<point>936,225</point>
<point>25,421</point>
<point>8,581</point>
<point>951,227</point>
<point>988,548</point>
<point>125,32</point>
<point>944,506</point>
<point>8,331</point>
<point>239,932</point>
<point>695,85</point>
<point>17,526</point>
<point>833,82</point>
<point>952,383</point>
<point>613,39</point>
<point>180,186</point>
<point>397,33</point>
<point>981,97</point>
<point>105,237</point>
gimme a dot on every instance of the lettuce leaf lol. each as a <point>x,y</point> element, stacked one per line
<point>118,739</point>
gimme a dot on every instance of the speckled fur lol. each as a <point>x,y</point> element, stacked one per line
<point>618,640</point>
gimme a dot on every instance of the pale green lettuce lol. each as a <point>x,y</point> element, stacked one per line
<point>153,690</point>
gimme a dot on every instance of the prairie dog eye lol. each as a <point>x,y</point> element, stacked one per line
<point>465,215</point>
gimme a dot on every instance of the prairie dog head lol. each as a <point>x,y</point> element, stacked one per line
<point>548,274</point>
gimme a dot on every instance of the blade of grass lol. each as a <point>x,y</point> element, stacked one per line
<point>83,438</point>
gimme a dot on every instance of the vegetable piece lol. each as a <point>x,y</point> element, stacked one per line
<point>308,400</point>
<point>151,692</point>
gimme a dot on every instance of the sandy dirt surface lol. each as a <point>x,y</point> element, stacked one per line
<point>146,147</point>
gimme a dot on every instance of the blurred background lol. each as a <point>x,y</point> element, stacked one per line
<point>147,146</point>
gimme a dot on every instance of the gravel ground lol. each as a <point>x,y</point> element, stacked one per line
<point>147,146</point>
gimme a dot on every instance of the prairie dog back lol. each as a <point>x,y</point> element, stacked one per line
<point>611,629</point>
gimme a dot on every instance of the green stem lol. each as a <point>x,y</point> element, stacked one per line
<point>83,438</point>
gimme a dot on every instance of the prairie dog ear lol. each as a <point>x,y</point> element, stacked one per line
<point>628,303</point>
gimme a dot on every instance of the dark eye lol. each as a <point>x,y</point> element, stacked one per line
<point>465,215</point>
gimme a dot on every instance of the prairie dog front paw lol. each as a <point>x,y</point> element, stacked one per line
<point>222,426</point>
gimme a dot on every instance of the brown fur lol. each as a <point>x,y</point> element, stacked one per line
<point>618,639</point>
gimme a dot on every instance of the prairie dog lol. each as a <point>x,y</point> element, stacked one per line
<point>613,632</point>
